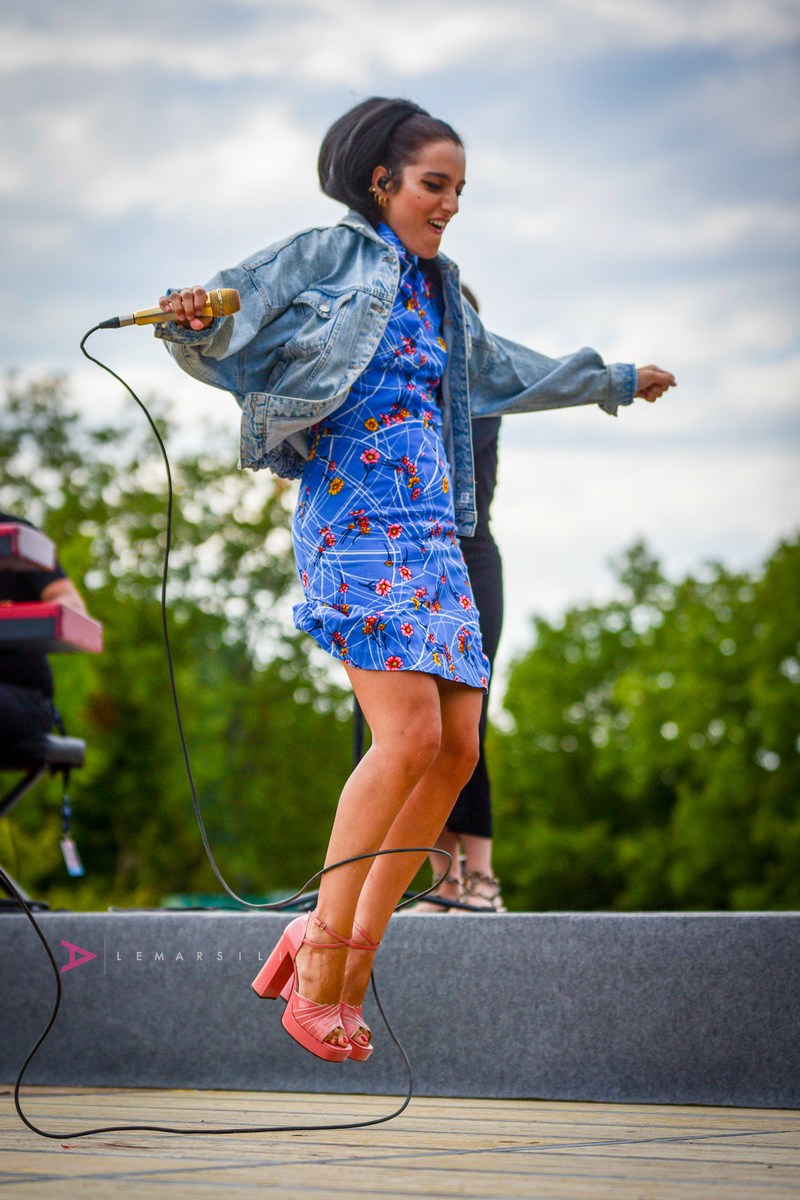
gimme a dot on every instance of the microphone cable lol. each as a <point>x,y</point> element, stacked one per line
<point>276,905</point>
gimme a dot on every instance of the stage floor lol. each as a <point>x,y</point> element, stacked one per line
<point>493,1149</point>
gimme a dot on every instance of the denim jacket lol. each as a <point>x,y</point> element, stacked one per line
<point>313,310</point>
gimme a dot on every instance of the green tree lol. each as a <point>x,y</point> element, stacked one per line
<point>653,758</point>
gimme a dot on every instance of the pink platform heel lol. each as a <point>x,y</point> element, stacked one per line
<point>308,1022</point>
<point>353,1014</point>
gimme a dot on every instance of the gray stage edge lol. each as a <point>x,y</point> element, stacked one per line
<point>697,1008</point>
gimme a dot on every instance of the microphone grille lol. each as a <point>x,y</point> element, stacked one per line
<point>223,302</point>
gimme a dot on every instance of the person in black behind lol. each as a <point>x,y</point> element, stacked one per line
<point>467,836</point>
<point>26,681</point>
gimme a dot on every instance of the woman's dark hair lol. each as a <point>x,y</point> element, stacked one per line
<point>377,131</point>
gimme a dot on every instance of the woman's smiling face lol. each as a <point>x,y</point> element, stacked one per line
<point>424,197</point>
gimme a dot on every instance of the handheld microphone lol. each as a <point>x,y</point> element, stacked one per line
<point>221,303</point>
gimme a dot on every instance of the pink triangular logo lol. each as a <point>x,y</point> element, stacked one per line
<point>77,956</point>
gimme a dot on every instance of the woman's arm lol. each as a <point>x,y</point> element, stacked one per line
<point>507,377</point>
<point>63,591</point>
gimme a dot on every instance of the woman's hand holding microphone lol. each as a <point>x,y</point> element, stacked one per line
<point>187,305</point>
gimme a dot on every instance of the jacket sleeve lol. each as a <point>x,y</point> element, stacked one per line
<point>506,377</point>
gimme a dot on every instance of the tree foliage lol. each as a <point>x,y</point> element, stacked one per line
<point>653,761</point>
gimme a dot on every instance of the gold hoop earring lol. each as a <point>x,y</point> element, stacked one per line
<point>379,197</point>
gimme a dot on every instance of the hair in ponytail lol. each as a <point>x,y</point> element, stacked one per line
<point>377,131</point>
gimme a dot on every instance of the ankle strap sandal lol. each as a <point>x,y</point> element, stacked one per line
<point>482,891</point>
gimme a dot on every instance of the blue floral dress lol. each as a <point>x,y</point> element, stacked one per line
<point>384,581</point>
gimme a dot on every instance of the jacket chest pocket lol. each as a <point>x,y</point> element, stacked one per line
<point>316,317</point>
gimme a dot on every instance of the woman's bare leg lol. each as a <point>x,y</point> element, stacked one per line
<point>477,853</point>
<point>404,714</point>
<point>418,823</point>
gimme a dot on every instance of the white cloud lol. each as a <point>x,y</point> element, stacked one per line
<point>560,515</point>
<point>662,24</point>
<point>325,41</point>
<point>232,172</point>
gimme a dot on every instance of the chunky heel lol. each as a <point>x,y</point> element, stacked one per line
<point>277,973</point>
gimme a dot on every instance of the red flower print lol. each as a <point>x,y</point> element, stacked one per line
<point>484,681</point>
<point>370,456</point>
<point>344,587</point>
<point>393,663</point>
<point>394,531</point>
<point>304,578</point>
<point>330,539</point>
<point>420,592</point>
<point>407,629</point>
<point>465,603</point>
<point>406,573</point>
<point>383,587</point>
<point>417,492</point>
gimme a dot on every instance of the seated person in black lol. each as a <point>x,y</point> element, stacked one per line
<point>26,681</point>
<point>467,836</point>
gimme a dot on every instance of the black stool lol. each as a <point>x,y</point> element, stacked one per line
<point>35,757</point>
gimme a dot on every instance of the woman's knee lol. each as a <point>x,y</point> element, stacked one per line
<point>459,751</point>
<point>418,737</point>
<point>410,739</point>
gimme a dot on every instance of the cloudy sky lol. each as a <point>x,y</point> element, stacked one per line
<point>631,185</point>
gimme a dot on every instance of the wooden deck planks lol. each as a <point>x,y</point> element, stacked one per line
<point>438,1149</point>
